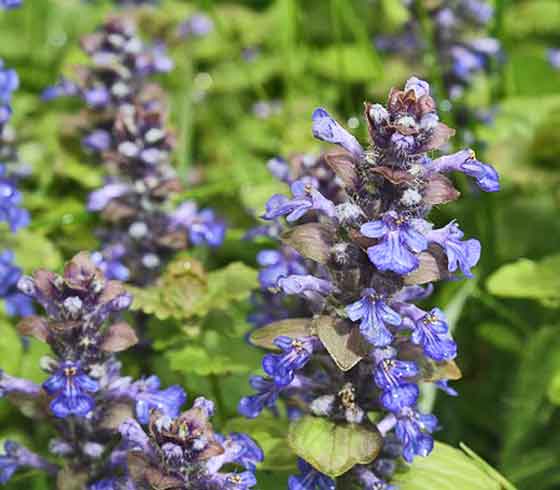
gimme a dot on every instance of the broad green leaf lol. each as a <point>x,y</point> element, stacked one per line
<point>332,448</point>
<point>528,411</point>
<point>447,468</point>
<point>528,17</point>
<point>526,278</point>
<point>291,327</point>
<point>32,250</point>
<point>349,62</point>
<point>175,293</point>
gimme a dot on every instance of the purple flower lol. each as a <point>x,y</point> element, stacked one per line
<point>149,397</point>
<point>325,128</point>
<point>109,260</point>
<point>413,430</point>
<point>203,226</point>
<point>10,4</point>
<point>309,479</point>
<point>10,199</point>
<point>10,384</point>
<point>399,242</point>
<point>99,199</point>
<point>98,140</point>
<point>301,285</point>
<point>554,58</point>
<point>460,254</point>
<point>374,314</point>
<point>297,353</point>
<point>306,198</point>
<point>267,394</point>
<point>465,161</point>
<point>420,87</point>
<point>276,264</point>
<point>431,332</point>
<point>9,461</point>
<point>70,386</point>
<point>197,25</point>
<point>9,82</point>
<point>63,88</point>
<point>239,481</point>
<point>392,372</point>
<point>248,452</point>
<point>97,97</point>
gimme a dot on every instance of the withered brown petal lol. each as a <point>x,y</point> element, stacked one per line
<point>44,282</point>
<point>176,240</point>
<point>343,165</point>
<point>342,340</point>
<point>111,291</point>
<point>439,190</point>
<point>312,240</point>
<point>34,326</point>
<point>433,267</point>
<point>119,337</point>
<point>291,327</point>
<point>440,136</point>
<point>158,480</point>
<point>393,175</point>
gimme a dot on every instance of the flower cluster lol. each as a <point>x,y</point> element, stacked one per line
<point>130,136</point>
<point>11,211</point>
<point>358,252</point>
<point>90,402</point>
<point>463,51</point>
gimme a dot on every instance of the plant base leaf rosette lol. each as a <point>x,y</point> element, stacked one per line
<point>349,344</point>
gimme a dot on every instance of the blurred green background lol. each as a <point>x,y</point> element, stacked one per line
<point>244,94</point>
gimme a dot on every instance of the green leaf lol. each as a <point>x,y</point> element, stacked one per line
<point>501,336</point>
<point>538,17</point>
<point>332,448</point>
<point>528,410</point>
<point>447,468</point>
<point>32,250</point>
<point>349,62</point>
<point>11,347</point>
<point>528,279</point>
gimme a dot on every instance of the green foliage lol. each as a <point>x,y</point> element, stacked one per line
<point>448,468</point>
<point>333,448</point>
<point>526,278</point>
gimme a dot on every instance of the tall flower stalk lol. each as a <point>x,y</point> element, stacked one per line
<point>127,130</point>
<point>357,256</point>
<point>11,212</point>
<point>96,414</point>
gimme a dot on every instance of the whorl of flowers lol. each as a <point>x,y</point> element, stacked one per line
<point>357,253</point>
<point>89,403</point>
<point>11,211</point>
<point>130,136</point>
<point>462,46</point>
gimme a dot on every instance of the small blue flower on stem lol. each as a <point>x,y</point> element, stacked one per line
<point>148,396</point>
<point>465,161</point>
<point>413,429</point>
<point>325,128</point>
<point>202,226</point>
<point>276,264</point>
<point>374,314</point>
<point>460,254</point>
<point>9,461</point>
<point>99,199</point>
<point>98,140</point>
<point>70,386</point>
<point>297,353</point>
<point>309,479</point>
<point>431,332</point>
<point>399,242</point>
<point>239,481</point>
<point>9,82</point>
<point>10,198</point>
<point>393,372</point>
<point>250,452</point>
<point>267,394</point>
<point>306,198</point>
